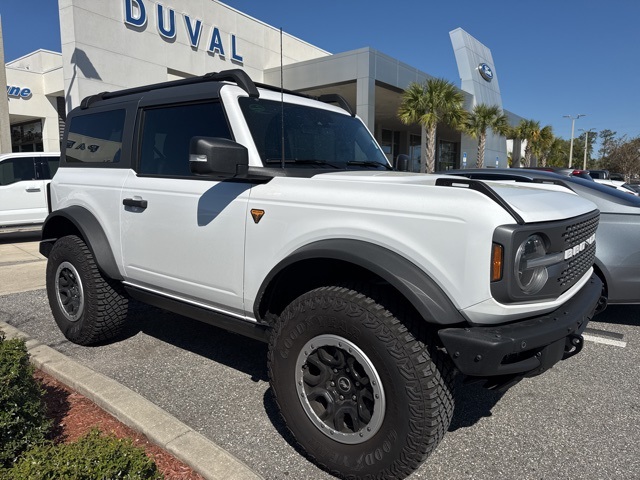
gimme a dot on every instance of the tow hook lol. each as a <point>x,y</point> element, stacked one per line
<point>573,345</point>
<point>601,306</point>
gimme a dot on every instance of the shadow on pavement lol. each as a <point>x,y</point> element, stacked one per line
<point>473,402</point>
<point>620,314</point>
<point>235,351</point>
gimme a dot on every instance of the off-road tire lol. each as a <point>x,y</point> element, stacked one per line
<point>88,307</point>
<point>416,392</point>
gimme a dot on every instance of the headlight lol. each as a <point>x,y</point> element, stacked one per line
<point>531,276</point>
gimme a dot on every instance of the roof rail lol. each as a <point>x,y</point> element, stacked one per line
<point>326,98</point>
<point>236,75</point>
<point>339,99</point>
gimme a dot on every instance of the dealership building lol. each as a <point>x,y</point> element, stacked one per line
<point>115,44</point>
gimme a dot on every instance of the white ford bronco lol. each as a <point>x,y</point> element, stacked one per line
<point>277,216</point>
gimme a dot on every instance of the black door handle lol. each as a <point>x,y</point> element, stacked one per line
<point>132,202</point>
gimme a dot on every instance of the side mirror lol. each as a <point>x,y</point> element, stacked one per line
<point>402,163</point>
<point>219,157</point>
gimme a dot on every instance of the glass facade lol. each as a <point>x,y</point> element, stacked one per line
<point>447,155</point>
<point>27,137</point>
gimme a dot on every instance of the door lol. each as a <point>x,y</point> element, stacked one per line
<point>22,194</point>
<point>183,235</point>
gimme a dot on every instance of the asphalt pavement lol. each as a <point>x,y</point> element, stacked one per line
<point>580,420</point>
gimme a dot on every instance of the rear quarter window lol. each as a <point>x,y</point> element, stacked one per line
<point>95,138</point>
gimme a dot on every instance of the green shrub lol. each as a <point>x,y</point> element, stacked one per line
<point>92,457</point>
<point>22,414</point>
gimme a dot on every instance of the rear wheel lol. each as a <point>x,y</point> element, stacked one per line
<point>87,306</point>
<point>362,390</point>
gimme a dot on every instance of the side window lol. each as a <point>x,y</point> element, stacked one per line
<point>48,166</point>
<point>167,132</point>
<point>53,163</point>
<point>96,137</point>
<point>18,169</point>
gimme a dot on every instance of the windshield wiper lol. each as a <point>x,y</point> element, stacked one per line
<point>369,163</point>
<point>302,161</point>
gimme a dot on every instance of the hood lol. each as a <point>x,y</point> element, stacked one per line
<point>533,202</point>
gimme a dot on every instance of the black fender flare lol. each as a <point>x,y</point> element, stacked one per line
<point>56,226</point>
<point>413,283</point>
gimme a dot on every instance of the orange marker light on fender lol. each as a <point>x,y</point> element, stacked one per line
<point>257,214</point>
<point>496,262</point>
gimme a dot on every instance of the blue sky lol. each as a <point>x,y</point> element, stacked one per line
<point>552,57</point>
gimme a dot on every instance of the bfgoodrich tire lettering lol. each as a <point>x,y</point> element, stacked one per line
<point>87,306</point>
<point>402,420</point>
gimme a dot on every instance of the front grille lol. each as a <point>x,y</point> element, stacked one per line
<point>576,266</point>
<point>580,231</point>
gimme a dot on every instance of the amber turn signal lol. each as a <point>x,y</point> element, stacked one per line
<point>496,262</point>
<point>257,214</point>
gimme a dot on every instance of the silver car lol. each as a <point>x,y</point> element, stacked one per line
<point>618,237</point>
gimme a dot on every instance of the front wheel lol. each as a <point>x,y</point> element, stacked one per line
<point>87,306</point>
<point>363,391</point>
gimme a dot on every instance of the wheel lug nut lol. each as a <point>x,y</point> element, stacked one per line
<point>354,398</point>
<point>341,397</point>
<point>335,370</point>
<point>333,384</point>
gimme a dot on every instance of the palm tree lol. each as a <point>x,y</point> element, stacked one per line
<point>542,146</point>
<point>482,118</point>
<point>437,100</point>
<point>528,130</point>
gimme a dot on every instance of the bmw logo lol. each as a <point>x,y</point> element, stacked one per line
<point>485,72</point>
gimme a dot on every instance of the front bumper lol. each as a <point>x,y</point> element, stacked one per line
<point>525,348</point>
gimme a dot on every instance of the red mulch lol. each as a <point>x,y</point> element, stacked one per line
<point>75,415</point>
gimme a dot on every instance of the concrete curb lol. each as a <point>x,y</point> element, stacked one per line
<point>135,411</point>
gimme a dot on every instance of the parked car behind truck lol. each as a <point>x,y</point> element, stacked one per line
<point>23,180</point>
<point>276,215</point>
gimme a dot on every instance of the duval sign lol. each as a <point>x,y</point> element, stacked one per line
<point>136,15</point>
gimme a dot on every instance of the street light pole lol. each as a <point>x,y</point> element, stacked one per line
<point>573,123</point>
<point>586,146</point>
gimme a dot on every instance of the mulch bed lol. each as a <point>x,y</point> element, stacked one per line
<point>75,415</point>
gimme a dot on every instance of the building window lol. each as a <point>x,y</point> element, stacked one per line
<point>27,137</point>
<point>415,150</point>
<point>447,155</point>
<point>390,143</point>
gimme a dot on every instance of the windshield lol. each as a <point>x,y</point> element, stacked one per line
<point>313,137</point>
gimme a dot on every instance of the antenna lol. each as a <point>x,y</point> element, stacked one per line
<point>281,101</point>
